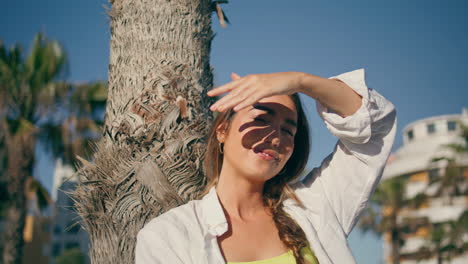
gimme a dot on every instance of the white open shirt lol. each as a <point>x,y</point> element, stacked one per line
<point>334,194</point>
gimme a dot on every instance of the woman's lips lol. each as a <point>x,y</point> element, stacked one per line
<point>264,156</point>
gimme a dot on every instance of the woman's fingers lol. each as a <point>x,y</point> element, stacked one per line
<point>225,102</point>
<point>249,101</point>
<point>250,97</point>
<point>232,102</point>
<point>224,88</point>
<point>235,76</point>
<point>245,91</point>
<point>236,96</point>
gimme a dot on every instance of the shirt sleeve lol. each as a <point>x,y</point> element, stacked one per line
<point>347,177</point>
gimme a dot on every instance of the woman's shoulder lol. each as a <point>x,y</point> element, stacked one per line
<point>171,235</point>
<point>178,219</point>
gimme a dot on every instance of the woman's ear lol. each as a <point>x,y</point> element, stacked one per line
<point>221,132</point>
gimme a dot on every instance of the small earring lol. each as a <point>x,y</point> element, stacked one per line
<point>221,148</point>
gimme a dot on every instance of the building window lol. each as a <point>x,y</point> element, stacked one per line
<point>46,227</point>
<point>57,230</point>
<point>70,202</point>
<point>433,174</point>
<point>71,245</point>
<point>56,249</point>
<point>430,128</point>
<point>410,135</point>
<point>73,228</point>
<point>451,125</point>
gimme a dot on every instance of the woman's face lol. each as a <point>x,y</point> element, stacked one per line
<point>267,126</point>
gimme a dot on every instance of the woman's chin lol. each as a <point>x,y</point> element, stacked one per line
<point>261,171</point>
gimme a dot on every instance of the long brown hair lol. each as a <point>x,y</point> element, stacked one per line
<point>276,190</point>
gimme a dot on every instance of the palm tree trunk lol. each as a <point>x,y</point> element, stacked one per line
<point>157,117</point>
<point>20,166</point>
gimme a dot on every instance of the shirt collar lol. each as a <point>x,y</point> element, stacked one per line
<point>213,214</point>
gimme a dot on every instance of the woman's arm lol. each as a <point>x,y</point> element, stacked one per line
<point>362,119</point>
<point>331,93</point>
<point>348,176</point>
<point>247,90</point>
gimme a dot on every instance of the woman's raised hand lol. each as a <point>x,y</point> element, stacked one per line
<point>247,90</point>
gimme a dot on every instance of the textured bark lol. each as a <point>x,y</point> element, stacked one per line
<point>20,150</point>
<point>157,117</point>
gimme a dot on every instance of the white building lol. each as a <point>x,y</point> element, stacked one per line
<point>424,140</point>
<point>66,232</point>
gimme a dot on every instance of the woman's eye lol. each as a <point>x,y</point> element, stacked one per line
<point>289,132</point>
<point>264,121</point>
<point>260,120</point>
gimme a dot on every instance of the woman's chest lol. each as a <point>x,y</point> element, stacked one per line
<point>328,245</point>
<point>251,241</point>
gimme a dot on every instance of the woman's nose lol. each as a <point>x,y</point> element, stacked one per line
<point>273,137</point>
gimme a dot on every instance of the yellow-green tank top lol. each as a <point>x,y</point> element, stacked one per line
<point>286,258</point>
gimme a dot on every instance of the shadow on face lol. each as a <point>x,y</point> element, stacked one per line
<point>268,125</point>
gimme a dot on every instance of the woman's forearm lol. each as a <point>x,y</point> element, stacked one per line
<point>332,93</point>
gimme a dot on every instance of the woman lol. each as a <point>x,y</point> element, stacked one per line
<point>254,208</point>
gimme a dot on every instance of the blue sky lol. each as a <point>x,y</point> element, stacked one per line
<point>414,52</point>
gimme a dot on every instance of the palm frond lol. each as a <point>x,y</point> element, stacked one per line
<point>216,7</point>
<point>43,197</point>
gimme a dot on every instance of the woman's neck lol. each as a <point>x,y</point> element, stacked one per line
<point>243,200</point>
